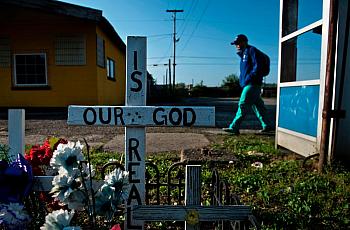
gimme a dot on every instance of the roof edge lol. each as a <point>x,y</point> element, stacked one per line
<point>58,7</point>
<point>110,31</point>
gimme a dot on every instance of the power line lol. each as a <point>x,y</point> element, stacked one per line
<point>208,64</point>
<point>215,64</point>
<point>195,57</point>
<point>158,35</point>
<point>200,19</point>
<point>191,9</point>
<point>139,20</point>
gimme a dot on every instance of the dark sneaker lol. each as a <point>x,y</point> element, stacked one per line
<point>268,129</point>
<point>231,130</point>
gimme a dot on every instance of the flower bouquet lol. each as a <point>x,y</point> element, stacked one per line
<point>74,187</point>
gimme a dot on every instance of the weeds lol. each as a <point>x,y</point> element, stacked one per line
<point>282,193</point>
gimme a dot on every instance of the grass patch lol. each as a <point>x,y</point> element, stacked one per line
<point>283,193</point>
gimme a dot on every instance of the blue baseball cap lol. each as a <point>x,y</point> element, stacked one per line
<point>239,38</point>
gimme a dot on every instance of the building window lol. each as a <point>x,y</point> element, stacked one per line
<point>5,53</point>
<point>70,51</point>
<point>301,41</point>
<point>30,69</point>
<point>100,51</point>
<point>110,68</point>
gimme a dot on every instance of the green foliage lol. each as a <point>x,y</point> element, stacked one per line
<point>199,90</point>
<point>230,81</point>
<point>283,194</point>
<point>98,159</point>
<point>4,151</point>
<point>231,85</point>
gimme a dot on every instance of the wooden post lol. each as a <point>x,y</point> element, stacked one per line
<point>193,190</point>
<point>16,128</point>
<point>135,137</point>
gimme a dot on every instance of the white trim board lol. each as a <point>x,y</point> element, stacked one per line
<point>299,83</point>
<point>296,144</point>
<point>302,30</point>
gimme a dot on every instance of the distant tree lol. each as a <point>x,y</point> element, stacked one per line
<point>231,85</point>
<point>200,84</point>
<point>152,81</point>
<point>180,85</point>
<point>199,90</point>
<point>230,81</point>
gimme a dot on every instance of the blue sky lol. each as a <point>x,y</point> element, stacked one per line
<point>205,30</point>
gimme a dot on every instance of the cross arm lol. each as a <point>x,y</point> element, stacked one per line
<point>178,213</point>
<point>141,115</point>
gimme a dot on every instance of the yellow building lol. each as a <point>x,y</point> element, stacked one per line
<point>55,54</point>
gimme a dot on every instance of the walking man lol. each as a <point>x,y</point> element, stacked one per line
<point>250,79</point>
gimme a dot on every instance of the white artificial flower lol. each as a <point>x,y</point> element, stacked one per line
<point>113,192</point>
<point>57,220</point>
<point>67,156</point>
<point>117,176</point>
<point>64,184</point>
<point>118,181</point>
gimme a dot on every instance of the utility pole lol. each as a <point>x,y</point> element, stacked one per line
<point>174,41</point>
<point>169,67</point>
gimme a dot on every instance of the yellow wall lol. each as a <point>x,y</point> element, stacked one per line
<point>32,31</point>
<point>111,92</point>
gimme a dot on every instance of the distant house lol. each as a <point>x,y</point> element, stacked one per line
<point>54,54</point>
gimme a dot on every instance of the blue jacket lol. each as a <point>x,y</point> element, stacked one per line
<point>250,67</point>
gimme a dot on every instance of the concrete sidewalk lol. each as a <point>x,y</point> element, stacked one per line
<point>163,142</point>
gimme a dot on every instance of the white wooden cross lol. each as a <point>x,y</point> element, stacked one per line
<point>135,116</point>
<point>16,128</point>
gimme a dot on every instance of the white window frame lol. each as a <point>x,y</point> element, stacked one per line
<point>108,61</point>
<point>15,74</point>
<point>300,143</point>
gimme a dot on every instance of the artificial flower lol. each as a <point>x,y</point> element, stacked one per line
<point>64,184</point>
<point>57,220</point>
<point>116,227</point>
<point>76,200</point>
<point>118,181</point>
<point>41,155</point>
<point>13,216</point>
<point>112,193</point>
<point>67,156</point>
<point>117,178</point>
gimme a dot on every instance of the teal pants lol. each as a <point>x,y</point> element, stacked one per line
<point>250,97</point>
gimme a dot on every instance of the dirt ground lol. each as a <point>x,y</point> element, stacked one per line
<point>172,138</point>
<point>53,123</point>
